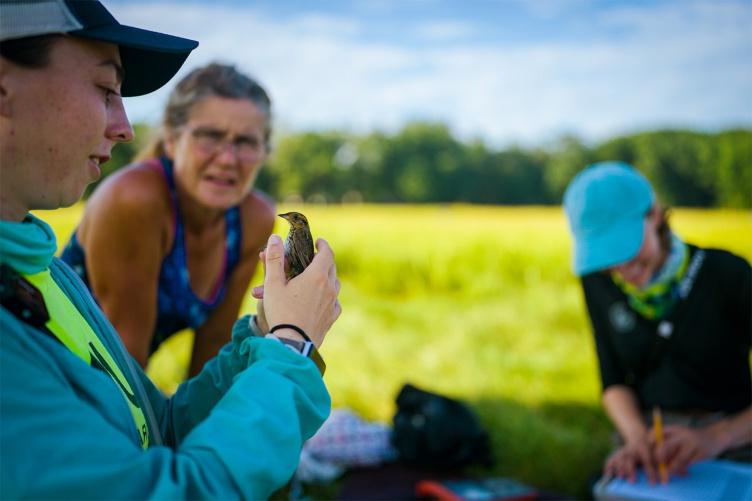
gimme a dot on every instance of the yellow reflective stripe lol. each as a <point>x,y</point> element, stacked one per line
<point>61,315</point>
<point>67,323</point>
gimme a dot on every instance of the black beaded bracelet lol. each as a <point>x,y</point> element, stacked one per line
<point>293,327</point>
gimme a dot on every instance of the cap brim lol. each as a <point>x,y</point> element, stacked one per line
<point>150,59</point>
<point>598,251</point>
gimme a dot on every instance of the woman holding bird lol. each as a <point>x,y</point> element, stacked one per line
<point>80,419</point>
<point>171,241</point>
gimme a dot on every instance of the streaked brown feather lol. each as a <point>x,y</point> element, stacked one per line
<point>298,245</point>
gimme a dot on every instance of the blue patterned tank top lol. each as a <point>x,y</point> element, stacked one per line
<point>178,307</point>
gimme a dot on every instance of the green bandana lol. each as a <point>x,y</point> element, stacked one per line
<point>27,246</point>
<point>657,299</point>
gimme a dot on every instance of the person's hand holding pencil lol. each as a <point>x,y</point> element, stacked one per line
<point>683,446</point>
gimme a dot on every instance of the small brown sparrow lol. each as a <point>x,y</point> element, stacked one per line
<point>299,244</point>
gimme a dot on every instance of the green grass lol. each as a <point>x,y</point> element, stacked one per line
<point>475,302</point>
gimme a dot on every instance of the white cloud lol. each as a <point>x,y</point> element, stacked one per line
<point>676,64</point>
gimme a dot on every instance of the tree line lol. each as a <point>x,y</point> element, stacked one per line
<point>425,163</point>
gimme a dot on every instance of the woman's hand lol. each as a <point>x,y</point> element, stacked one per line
<point>683,446</point>
<point>261,322</point>
<point>623,463</point>
<point>622,407</point>
<point>308,300</point>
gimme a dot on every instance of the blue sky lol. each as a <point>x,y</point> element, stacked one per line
<point>505,71</point>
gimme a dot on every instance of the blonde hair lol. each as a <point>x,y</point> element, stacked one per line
<point>215,79</point>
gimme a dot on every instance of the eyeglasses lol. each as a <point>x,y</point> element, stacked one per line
<point>212,141</point>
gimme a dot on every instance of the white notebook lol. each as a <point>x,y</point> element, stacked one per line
<point>707,481</point>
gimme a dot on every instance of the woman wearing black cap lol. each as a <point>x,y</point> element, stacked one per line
<point>79,417</point>
<point>672,325</point>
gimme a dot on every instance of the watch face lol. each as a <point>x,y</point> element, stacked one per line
<point>306,349</point>
<point>298,345</point>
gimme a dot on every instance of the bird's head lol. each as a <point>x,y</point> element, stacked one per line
<point>296,219</point>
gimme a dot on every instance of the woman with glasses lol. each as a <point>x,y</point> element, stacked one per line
<point>672,325</point>
<point>171,241</point>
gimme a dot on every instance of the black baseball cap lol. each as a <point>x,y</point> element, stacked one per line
<point>150,59</point>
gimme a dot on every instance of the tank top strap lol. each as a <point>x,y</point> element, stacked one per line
<point>164,164</point>
<point>233,237</point>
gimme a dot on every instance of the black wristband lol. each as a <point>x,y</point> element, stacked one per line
<point>293,327</point>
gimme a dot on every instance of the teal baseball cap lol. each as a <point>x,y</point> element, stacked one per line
<point>606,204</point>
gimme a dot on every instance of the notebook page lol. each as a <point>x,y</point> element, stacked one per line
<point>707,481</point>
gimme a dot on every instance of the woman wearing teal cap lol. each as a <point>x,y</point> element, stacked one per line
<point>672,325</point>
<point>80,419</point>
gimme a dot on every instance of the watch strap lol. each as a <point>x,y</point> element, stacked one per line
<point>305,348</point>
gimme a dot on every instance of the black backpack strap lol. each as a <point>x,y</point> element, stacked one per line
<point>21,298</point>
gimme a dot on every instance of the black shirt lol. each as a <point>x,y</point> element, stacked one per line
<point>703,362</point>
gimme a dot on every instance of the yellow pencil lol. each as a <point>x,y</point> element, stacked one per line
<point>658,428</point>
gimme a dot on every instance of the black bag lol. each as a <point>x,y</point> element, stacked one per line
<point>435,431</point>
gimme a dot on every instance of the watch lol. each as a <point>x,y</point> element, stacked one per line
<point>305,348</point>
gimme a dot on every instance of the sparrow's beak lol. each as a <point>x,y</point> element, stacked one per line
<point>284,216</point>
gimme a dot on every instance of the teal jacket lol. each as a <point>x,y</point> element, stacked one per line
<point>233,432</point>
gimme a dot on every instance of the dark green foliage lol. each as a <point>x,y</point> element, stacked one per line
<point>733,182</point>
<point>425,163</point>
<point>567,156</point>
<point>680,164</point>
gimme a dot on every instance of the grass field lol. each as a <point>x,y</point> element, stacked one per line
<point>475,302</point>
